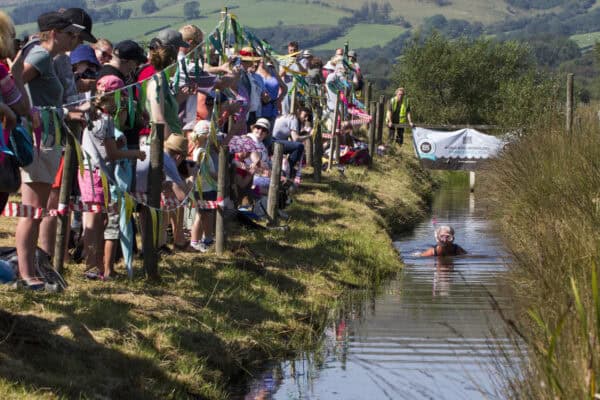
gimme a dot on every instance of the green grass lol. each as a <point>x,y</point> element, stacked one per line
<point>585,40</point>
<point>211,320</point>
<point>544,194</point>
<point>365,36</point>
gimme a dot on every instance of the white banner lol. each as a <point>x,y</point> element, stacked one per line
<point>463,149</point>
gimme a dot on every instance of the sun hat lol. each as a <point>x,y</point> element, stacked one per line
<point>130,50</point>
<point>202,128</point>
<point>78,16</point>
<point>177,144</point>
<point>263,123</point>
<point>55,20</point>
<point>82,53</point>
<point>109,83</point>
<point>248,54</point>
<point>170,37</point>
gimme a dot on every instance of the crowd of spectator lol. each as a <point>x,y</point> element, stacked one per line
<point>86,81</point>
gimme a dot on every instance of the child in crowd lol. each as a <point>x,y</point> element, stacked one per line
<point>204,223</point>
<point>100,148</point>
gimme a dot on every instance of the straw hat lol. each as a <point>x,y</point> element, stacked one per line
<point>248,54</point>
<point>177,144</point>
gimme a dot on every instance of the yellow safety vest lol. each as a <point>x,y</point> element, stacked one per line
<point>403,109</point>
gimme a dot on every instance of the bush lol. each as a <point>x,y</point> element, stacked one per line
<point>470,81</point>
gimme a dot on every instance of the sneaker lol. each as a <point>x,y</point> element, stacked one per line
<point>200,246</point>
<point>208,241</point>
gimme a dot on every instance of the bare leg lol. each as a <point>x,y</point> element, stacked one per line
<point>48,225</point>
<point>197,228</point>
<point>93,237</point>
<point>26,235</point>
<point>109,257</point>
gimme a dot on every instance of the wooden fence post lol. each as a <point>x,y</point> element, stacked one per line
<point>569,103</point>
<point>372,150</point>
<point>308,151</point>
<point>275,182</point>
<point>333,131</point>
<point>66,184</point>
<point>155,178</point>
<point>221,194</point>
<point>318,148</point>
<point>368,94</point>
<point>380,118</point>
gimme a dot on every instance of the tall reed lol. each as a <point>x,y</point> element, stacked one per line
<point>544,193</point>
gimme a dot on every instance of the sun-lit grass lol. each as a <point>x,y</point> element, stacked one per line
<point>365,36</point>
<point>212,319</point>
<point>545,195</point>
<point>586,39</point>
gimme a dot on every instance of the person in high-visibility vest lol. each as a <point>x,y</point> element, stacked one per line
<point>398,112</point>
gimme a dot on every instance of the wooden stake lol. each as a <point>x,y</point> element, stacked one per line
<point>569,103</point>
<point>221,194</point>
<point>66,185</point>
<point>318,148</point>
<point>333,131</point>
<point>372,150</point>
<point>380,118</point>
<point>368,93</point>
<point>275,182</point>
<point>155,178</point>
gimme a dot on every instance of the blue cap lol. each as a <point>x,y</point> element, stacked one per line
<point>84,52</point>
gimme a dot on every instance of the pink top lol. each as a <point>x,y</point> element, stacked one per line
<point>8,89</point>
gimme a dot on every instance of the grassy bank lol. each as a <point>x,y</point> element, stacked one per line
<point>546,195</point>
<point>213,320</point>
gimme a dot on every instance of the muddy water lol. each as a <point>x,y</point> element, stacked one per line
<point>431,333</point>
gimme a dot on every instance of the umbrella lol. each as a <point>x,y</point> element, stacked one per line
<point>243,144</point>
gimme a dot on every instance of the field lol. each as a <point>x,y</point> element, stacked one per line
<point>586,40</point>
<point>365,36</point>
<point>258,13</point>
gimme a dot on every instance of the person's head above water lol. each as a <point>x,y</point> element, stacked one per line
<point>444,234</point>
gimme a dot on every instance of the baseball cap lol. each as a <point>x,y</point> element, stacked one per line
<point>170,37</point>
<point>55,20</point>
<point>130,50</point>
<point>109,83</point>
<point>263,123</point>
<point>83,52</point>
<point>352,53</point>
<point>79,17</point>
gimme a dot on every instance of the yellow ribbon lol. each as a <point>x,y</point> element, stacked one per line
<point>292,72</point>
<point>105,188</point>
<point>154,216</point>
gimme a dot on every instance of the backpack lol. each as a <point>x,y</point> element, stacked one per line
<point>21,144</point>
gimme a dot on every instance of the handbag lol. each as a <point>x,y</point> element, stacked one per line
<point>10,178</point>
<point>265,97</point>
<point>21,145</point>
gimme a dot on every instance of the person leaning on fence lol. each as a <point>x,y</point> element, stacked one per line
<point>287,132</point>
<point>103,49</point>
<point>100,152</point>
<point>162,102</point>
<point>398,113</point>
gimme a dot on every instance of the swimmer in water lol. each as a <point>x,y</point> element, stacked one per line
<point>444,237</point>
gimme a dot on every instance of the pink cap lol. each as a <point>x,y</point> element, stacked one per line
<point>109,83</point>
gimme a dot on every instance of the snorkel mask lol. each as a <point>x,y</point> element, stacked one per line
<point>444,234</point>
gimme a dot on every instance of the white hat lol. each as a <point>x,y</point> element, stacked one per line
<point>201,128</point>
<point>263,123</point>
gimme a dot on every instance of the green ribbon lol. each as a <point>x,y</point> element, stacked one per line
<point>45,114</point>
<point>57,131</point>
<point>130,107</point>
<point>118,103</point>
<point>177,73</point>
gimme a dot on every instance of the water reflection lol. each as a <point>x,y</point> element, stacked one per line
<point>425,336</point>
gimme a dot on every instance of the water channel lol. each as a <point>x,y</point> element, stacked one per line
<point>426,335</point>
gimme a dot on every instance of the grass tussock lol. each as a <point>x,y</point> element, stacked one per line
<point>212,321</point>
<point>545,192</point>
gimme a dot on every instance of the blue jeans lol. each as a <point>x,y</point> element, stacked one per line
<point>295,150</point>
